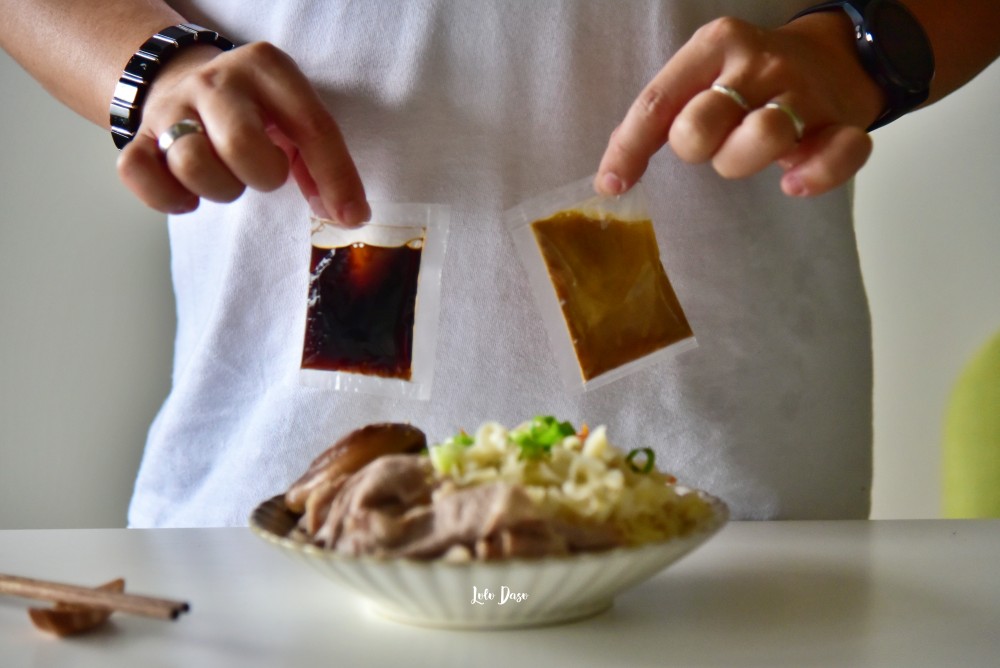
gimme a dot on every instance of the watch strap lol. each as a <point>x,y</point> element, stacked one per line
<point>142,68</point>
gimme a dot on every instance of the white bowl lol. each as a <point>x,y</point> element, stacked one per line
<point>493,594</point>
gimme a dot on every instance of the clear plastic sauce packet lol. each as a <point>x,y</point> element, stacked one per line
<point>596,274</point>
<point>373,302</point>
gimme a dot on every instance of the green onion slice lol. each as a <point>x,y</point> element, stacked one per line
<point>647,465</point>
<point>537,437</point>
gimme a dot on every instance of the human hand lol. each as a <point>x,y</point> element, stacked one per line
<point>809,65</point>
<point>262,120</point>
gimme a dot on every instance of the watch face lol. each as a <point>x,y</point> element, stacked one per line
<point>902,43</point>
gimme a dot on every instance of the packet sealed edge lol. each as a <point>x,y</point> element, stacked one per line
<point>391,220</point>
<point>577,196</point>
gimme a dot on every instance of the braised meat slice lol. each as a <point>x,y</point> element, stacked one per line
<point>351,453</point>
<point>393,508</point>
<point>388,486</point>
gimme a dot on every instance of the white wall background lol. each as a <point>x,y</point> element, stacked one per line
<point>86,312</point>
<point>86,317</point>
<point>928,221</point>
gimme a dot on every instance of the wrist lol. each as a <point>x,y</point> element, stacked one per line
<point>860,99</point>
<point>145,66</point>
<point>893,49</point>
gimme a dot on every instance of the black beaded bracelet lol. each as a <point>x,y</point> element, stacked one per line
<point>142,68</point>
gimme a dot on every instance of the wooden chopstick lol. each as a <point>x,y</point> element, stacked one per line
<point>43,590</point>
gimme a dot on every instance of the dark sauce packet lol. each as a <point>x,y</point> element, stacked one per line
<point>595,271</point>
<point>373,302</point>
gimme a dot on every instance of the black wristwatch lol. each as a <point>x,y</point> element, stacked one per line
<point>130,93</point>
<point>894,49</point>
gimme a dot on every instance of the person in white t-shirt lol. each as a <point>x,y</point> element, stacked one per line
<point>326,106</point>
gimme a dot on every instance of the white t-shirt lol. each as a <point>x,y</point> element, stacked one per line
<point>481,105</point>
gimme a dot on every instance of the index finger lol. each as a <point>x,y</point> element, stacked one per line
<point>647,123</point>
<point>298,112</point>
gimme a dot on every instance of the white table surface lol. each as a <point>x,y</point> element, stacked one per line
<point>852,593</point>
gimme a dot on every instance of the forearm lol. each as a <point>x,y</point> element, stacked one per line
<point>965,36</point>
<point>77,49</point>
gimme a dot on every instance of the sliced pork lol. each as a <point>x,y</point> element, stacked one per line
<point>393,508</point>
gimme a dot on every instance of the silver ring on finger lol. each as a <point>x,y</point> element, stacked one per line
<point>179,129</point>
<point>797,122</point>
<point>732,94</point>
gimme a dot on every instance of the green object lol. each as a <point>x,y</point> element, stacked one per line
<point>649,457</point>
<point>538,436</point>
<point>971,457</point>
<point>445,456</point>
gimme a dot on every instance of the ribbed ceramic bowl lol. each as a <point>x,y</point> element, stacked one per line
<point>481,595</point>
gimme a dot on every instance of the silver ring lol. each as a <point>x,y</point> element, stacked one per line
<point>800,125</point>
<point>732,94</point>
<point>176,131</point>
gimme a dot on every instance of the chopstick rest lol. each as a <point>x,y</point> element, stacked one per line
<point>78,609</point>
<point>65,619</point>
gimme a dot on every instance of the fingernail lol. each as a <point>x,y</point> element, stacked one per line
<point>793,186</point>
<point>316,205</point>
<point>354,213</point>
<point>611,184</point>
<point>187,207</point>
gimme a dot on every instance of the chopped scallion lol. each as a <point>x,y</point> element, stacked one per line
<point>647,464</point>
<point>537,437</point>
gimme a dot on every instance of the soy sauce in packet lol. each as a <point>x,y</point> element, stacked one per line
<point>595,272</point>
<point>373,302</point>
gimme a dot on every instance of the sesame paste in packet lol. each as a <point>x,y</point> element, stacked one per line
<point>615,296</point>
